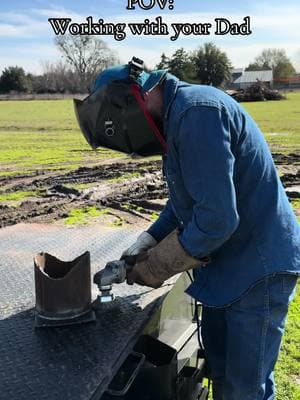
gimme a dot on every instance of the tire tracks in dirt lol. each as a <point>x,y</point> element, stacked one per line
<point>57,197</point>
<point>138,196</point>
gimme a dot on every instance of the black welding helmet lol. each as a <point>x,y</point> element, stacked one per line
<point>114,114</point>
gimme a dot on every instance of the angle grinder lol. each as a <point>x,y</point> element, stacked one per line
<point>114,272</point>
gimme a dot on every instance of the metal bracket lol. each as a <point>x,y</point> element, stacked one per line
<point>136,67</point>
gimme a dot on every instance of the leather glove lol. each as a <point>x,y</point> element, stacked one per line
<point>158,264</point>
<point>144,242</point>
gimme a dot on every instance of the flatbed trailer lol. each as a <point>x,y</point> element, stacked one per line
<point>142,346</point>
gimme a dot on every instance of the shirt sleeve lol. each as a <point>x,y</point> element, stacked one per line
<point>207,165</point>
<point>165,223</point>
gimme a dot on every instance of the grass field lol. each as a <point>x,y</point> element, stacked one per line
<point>280,122</point>
<point>43,135</point>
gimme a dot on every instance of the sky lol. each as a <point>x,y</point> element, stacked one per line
<point>27,38</point>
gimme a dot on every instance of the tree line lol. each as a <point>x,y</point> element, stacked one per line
<point>209,65</point>
<point>84,57</point>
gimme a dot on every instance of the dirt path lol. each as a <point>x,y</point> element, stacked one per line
<point>132,191</point>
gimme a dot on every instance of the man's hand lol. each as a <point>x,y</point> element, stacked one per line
<point>158,264</point>
<point>138,271</point>
<point>144,242</point>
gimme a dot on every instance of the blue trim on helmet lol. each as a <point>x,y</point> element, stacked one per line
<point>121,73</point>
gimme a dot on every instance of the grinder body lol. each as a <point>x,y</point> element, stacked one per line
<point>114,272</point>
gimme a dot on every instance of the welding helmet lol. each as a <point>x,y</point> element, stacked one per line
<point>114,114</point>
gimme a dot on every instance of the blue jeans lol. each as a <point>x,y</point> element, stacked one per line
<point>242,341</point>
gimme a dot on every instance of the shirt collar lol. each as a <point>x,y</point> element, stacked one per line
<point>169,93</point>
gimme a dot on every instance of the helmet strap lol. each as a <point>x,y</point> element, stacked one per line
<point>135,90</point>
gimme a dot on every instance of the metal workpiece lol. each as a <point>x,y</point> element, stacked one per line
<point>62,290</point>
<point>69,362</point>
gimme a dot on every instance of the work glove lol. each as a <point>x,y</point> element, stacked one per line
<point>144,242</point>
<point>158,264</point>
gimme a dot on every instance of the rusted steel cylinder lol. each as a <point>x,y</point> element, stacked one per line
<point>63,289</point>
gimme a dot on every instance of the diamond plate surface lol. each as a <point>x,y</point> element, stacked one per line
<point>68,363</point>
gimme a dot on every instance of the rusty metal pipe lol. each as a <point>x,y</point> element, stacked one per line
<point>63,290</point>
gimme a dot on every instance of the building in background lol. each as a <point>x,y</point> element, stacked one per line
<point>288,83</point>
<point>236,73</point>
<point>248,78</point>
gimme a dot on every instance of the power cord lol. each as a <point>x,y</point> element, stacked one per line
<point>201,351</point>
<point>196,318</point>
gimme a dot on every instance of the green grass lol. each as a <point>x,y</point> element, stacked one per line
<point>43,135</point>
<point>118,223</point>
<point>86,215</point>
<point>14,199</point>
<point>279,121</point>
<point>296,204</point>
<point>124,177</point>
<point>83,216</point>
<point>17,196</point>
<point>288,366</point>
<point>132,207</point>
<point>154,217</point>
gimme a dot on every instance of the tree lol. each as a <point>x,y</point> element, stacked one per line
<point>180,65</point>
<point>87,55</point>
<point>13,79</point>
<point>277,60</point>
<point>257,67</point>
<point>164,62</point>
<point>284,70</point>
<point>212,66</point>
<point>59,78</point>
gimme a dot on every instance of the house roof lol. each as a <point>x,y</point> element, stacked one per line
<point>253,76</point>
<point>237,70</point>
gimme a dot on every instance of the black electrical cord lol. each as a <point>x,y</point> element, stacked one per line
<point>198,322</point>
<point>190,276</point>
<point>196,316</point>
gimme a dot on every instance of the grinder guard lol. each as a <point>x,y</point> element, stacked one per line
<point>110,117</point>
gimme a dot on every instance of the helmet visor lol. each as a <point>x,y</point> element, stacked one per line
<point>111,118</point>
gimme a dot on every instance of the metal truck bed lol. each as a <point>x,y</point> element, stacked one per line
<point>66,363</point>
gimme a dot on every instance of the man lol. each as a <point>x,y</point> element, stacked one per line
<point>227,216</point>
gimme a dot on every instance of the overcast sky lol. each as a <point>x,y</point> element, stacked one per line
<point>26,37</point>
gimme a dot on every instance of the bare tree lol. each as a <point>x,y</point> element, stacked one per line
<point>87,55</point>
<point>54,77</point>
<point>57,77</point>
<point>277,60</point>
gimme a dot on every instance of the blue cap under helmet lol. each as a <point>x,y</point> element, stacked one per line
<point>146,81</point>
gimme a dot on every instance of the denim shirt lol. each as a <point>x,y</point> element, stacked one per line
<point>225,195</point>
